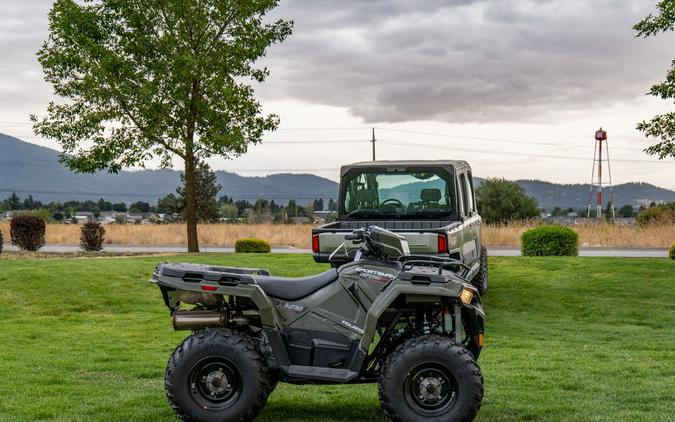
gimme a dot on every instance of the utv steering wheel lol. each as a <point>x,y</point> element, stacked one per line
<point>395,202</point>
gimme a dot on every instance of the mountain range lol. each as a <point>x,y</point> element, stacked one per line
<point>27,168</point>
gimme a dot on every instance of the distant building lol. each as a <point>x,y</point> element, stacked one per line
<point>82,217</point>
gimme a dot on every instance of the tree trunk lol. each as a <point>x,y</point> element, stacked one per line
<point>191,205</point>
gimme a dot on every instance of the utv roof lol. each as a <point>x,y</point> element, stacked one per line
<point>455,164</point>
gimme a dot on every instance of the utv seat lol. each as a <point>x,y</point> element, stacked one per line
<point>294,288</point>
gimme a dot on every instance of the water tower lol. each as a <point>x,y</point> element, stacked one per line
<point>597,183</point>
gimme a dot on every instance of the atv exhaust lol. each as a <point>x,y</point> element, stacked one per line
<point>193,320</point>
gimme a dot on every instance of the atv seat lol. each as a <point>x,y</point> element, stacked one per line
<point>295,288</point>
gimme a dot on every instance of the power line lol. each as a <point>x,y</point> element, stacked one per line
<point>511,153</point>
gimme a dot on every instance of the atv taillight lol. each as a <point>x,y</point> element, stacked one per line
<point>442,243</point>
<point>209,287</point>
<point>315,243</point>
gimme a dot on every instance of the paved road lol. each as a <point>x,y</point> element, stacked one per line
<point>493,251</point>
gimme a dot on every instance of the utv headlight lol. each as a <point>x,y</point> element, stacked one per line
<point>466,296</point>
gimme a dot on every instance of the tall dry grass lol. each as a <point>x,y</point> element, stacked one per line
<point>591,235</point>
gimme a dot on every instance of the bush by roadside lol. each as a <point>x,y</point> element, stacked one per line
<point>27,232</point>
<point>92,236</point>
<point>1,241</point>
<point>662,214</point>
<point>550,241</point>
<point>671,252</point>
<point>252,246</point>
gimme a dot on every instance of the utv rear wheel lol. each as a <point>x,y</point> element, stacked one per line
<point>480,280</point>
<point>430,378</point>
<point>217,375</point>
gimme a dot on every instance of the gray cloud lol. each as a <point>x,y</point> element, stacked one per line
<point>404,60</point>
<point>481,61</point>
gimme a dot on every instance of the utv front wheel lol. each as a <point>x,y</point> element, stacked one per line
<point>217,375</point>
<point>431,378</point>
<point>480,280</point>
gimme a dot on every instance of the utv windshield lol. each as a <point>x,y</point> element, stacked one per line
<point>403,195</point>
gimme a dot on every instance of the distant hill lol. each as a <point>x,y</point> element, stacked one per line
<point>31,169</point>
<point>550,195</point>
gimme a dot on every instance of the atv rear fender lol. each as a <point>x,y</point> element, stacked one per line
<point>223,282</point>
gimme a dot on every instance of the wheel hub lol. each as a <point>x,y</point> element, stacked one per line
<point>431,389</point>
<point>216,382</point>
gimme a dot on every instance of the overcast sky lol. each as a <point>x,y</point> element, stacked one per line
<point>515,87</point>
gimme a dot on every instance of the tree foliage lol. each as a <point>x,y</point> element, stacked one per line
<point>206,189</point>
<point>501,201</point>
<point>663,125</point>
<point>148,79</point>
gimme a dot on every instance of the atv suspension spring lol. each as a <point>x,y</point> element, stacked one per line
<point>425,327</point>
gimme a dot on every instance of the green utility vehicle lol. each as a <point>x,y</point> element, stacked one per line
<point>413,324</point>
<point>430,203</point>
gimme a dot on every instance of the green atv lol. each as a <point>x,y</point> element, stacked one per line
<point>414,324</point>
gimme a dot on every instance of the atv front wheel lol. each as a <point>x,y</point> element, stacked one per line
<point>430,378</point>
<point>217,375</point>
<point>480,280</point>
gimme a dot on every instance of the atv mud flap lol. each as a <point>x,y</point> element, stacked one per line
<point>473,318</point>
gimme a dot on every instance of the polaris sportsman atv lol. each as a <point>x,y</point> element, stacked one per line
<point>414,324</point>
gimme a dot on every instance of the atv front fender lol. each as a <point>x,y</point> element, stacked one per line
<point>384,301</point>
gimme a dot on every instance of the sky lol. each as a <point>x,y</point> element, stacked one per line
<point>515,87</point>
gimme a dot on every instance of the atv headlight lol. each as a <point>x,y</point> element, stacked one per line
<point>466,296</point>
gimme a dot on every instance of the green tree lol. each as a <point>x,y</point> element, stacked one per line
<point>206,189</point>
<point>500,201</point>
<point>139,206</point>
<point>609,213</point>
<point>120,207</point>
<point>13,203</point>
<point>292,208</point>
<point>626,211</point>
<point>150,79</point>
<point>556,212</point>
<point>663,125</point>
<point>332,205</point>
<point>228,211</point>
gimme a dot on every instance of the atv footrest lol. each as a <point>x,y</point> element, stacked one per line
<point>319,373</point>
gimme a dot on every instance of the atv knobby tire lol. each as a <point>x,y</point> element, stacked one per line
<point>217,375</point>
<point>480,280</point>
<point>430,378</point>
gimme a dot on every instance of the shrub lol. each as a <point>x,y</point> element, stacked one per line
<point>658,214</point>
<point>550,241</point>
<point>1,239</point>
<point>252,246</point>
<point>27,232</point>
<point>671,252</point>
<point>92,236</point>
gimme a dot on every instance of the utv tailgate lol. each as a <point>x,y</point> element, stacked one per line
<point>422,237</point>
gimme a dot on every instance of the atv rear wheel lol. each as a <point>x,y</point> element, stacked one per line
<point>217,375</point>
<point>480,280</point>
<point>430,378</point>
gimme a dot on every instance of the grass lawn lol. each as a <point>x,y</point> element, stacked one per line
<point>567,339</point>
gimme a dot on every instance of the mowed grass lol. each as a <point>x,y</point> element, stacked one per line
<point>583,339</point>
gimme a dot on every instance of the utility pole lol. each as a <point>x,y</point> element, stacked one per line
<point>373,141</point>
